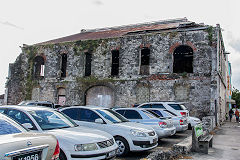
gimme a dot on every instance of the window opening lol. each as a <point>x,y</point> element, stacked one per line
<point>145,61</point>
<point>115,63</point>
<point>183,59</point>
<point>88,64</point>
<point>64,65</point>
<point>39,66</point>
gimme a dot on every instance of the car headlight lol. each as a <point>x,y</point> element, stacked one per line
<point>85,147</point>
<point>138,133</point>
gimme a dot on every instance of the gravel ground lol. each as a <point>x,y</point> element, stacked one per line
<point>164,144</point>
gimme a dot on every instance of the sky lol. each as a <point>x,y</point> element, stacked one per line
<point>34,21</point>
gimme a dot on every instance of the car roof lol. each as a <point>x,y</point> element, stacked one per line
<point>127,108</point>
<point>33,101</point>
<point>26,108</point>
<point>158,102</point>
<point>87,107</point>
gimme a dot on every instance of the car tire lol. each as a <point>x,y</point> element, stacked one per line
<point>62,156</point>
<point>123,147</point>
<point>189,126</point>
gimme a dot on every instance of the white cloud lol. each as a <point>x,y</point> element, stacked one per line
<point>98,2</point>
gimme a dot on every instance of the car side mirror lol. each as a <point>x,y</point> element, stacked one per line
<point>27,125</point>
<point>99,120</point>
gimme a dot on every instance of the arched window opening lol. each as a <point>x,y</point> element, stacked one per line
<point>88,62</point>
<point>183,59</point>
<point>145,61</point>
<point>61,96</point>
<point>115,63</point>
<point>39,66</point>
<point>64,65</point>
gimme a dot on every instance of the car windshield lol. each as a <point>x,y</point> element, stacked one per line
<point>112,116</point>
<point>9,128</point>
<point>177,106</point>
<point>48,120</point>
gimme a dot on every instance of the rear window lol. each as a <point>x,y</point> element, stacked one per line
<point>158,106</point>
<point>176,106</point>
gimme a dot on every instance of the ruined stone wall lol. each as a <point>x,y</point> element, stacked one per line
<point>129,86</point>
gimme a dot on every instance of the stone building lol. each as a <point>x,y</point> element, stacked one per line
<point>171,60</point>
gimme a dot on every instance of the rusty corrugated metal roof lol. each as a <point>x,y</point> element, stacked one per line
<point>112,32</point>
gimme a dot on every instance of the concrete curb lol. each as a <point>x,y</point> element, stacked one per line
<point>180,148</point>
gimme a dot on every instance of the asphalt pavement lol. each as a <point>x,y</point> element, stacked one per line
<point>226,144</point>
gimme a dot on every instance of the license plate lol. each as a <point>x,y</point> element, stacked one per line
<point>111,154</point>
<point>29,156</point>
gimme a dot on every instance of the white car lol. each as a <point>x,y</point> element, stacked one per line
<point>76,142</point>
<point>163,127</point>
<point>129,136</point>
<point>193,121</point>
<point>177,108</point>
<point>179,122</point>
<point>19,144</point>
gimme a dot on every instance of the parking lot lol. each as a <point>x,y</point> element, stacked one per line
<point>164,144</point>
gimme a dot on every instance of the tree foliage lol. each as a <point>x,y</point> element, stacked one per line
<point>236,96</point>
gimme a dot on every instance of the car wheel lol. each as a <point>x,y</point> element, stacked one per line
<point>62,156</point>
<point>189,127</point>
<point>123,147</point>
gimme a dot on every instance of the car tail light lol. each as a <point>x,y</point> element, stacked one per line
<point>56,152</point>
<point>181,122</point>
<point>162,124</point>
<point>183,114</point>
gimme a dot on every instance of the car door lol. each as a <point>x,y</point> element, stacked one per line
<point>85,117</point>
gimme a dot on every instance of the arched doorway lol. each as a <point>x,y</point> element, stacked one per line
<point>100,96</point>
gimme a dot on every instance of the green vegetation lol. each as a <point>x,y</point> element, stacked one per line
<point>173,34</point>
<point>92,80</point>
<point>30,82</point>
<point>236,96</point>
<point>210,34</point>
<point>184,74</point>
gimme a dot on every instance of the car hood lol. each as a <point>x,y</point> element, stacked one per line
<point>80,135</point>
<point>133,125</point>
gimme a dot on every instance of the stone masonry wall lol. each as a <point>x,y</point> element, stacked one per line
<point>129,86</point>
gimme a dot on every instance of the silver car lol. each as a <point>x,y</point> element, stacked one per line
<point>163,128</point>
<point>178,121</point>
<point>18,144</point>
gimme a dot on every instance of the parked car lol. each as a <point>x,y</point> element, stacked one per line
<point>37,103</point>
<point>76,142</point>
<point>177,108</point>
<point>193,121</point>
<point>19,144</point>
<point>163,127</point>
<point>129,136</point>
<point>179,122</point>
